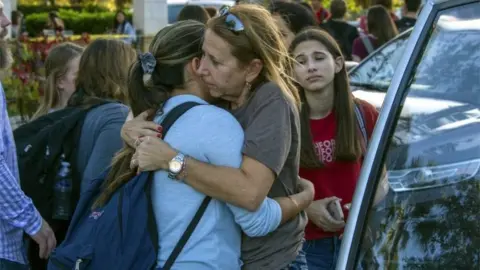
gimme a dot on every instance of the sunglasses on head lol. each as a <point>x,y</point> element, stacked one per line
<point>232,22</point>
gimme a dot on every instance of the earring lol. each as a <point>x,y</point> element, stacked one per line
<point>248,86</point>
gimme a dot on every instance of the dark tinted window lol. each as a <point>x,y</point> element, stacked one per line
<point>378,69</point>
<point>430,218</point>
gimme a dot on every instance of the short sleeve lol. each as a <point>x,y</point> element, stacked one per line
<point>268,135</point>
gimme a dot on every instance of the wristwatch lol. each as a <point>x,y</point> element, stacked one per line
<point>176,165</point>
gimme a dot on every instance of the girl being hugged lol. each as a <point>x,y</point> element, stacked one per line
<point>332,143</point>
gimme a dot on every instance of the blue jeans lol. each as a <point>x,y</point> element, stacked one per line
<point>9,265</point>
<point>322,254</point>
<point>300,262</point>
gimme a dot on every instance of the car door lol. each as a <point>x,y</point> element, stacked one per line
<point>429,217</point>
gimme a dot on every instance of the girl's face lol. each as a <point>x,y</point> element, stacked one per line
<point>315,66</point>
<point>67,83</point>
<point>120,17</point>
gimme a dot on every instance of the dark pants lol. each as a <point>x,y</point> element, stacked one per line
<point>322,254</point>
<point>9,265</point>
<point>300,262</point>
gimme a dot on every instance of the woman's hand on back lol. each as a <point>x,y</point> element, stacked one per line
<point>318,213</point>
<point>152,154</point>
<point>139,127</point>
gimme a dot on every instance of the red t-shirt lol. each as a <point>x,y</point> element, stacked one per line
<point>337,178</point>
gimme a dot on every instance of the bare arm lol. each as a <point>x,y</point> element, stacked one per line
<point>246,187</point>
<point>294,204</point>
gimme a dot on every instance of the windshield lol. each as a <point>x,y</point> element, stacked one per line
<point>376,72</point>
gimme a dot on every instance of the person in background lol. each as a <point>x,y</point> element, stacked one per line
<point>123,27</point>
<point>17,213</point>
<point>18,26</point>
<point>291,18</point>
<point>410,12</point>
<point>55,23</point>
<point>388,4</point>
<point>193,12</point>
<point>309,8</point>
<point>332,142</point>
<point>61,67</point>
<point>321,13</point>
<point>343,32</point>
<point>102,76</point>
<point>381,29</point>
<point>212,11</point>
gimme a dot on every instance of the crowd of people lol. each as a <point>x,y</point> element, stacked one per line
<point>276,139</point>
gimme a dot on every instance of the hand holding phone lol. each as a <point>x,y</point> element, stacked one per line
<point>335,210</point>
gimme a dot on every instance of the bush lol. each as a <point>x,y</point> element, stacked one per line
<point>32,9</point>
<point>78,22</point>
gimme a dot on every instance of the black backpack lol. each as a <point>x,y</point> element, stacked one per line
<point>41,146</point>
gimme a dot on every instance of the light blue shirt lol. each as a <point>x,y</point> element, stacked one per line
<point>209,134</point>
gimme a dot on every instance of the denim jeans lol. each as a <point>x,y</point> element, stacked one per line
<point>322,254</point>
<point>9,265</point>
<point>300,262</point>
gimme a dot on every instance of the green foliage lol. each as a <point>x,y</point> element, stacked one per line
<point>32,9</point>
<point>78,22</point>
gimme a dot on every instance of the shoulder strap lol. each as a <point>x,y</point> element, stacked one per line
<point>175,113</point>
<point>186,235</point>
<point>168,122</point>
<point>361,123</point>
<point>368,44</point>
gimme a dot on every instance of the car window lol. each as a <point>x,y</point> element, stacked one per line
<point>379,68</point>
<point>430,217</point>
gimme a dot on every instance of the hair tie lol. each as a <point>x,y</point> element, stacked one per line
<point>148,62</point>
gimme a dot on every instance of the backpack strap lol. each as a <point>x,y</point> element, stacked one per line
<point>186,235</point>
<point>367,43</point>
<point>175,113</point>
<point>361,122</point>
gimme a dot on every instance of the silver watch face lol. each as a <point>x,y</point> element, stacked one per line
<point>175,166</point>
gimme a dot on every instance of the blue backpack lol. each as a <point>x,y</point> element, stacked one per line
<point>121,235</point>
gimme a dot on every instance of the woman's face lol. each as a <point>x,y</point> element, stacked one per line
<point>67,83</point>
<point>315,67</point>
<point>220,70</point>
<point>287,34</point>
<point>120,17</point>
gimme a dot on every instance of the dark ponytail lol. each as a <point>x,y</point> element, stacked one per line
<point>151,84</point>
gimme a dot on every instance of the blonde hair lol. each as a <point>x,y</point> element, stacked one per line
<point>56,66</point>
<point>260,39</point>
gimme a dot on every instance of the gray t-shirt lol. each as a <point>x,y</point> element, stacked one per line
<point>272,137</point>
<point>100,140</point>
